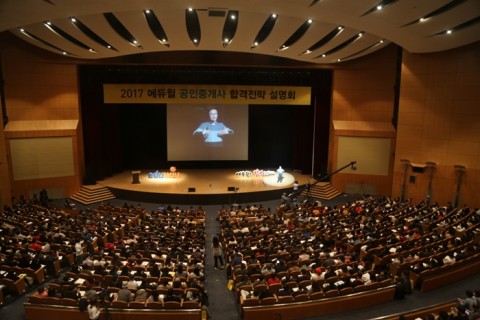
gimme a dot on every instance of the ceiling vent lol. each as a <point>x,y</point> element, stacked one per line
<point>217,12</point>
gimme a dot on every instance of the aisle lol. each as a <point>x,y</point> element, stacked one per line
<point>222,302</point>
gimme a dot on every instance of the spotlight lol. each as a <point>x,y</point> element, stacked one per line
<point>353,166</point>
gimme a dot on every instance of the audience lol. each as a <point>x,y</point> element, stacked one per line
<point>318,247</point>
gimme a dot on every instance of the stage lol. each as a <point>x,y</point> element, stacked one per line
<point>201,186</point>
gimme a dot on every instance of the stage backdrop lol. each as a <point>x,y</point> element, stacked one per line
<point>119,137</point>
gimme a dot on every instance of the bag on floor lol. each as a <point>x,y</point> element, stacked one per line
<point>230,285</point>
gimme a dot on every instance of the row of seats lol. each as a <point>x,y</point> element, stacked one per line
<point>119,304</point>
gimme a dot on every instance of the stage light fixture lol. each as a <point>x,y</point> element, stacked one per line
<point>353,166</point>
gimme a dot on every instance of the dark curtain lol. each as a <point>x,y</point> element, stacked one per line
<point>130,136</point>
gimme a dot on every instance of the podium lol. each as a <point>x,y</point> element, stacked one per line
<point>135,177</point>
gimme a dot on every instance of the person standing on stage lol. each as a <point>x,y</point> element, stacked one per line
<point>280,172</point>
<point>217,251</point>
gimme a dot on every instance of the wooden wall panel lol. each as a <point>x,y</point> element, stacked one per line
<point>439,121</point>
<point>363,93</point>
<point>39,87</point>
<point>5,187</point>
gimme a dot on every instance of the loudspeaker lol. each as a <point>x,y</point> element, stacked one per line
<point>231,188</point>
<point>191,189</point>
<point>418,169</point>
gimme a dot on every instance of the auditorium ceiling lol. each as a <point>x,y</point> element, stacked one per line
<point>313,31</point>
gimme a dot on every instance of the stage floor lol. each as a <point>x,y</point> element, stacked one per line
<point>204,182</point>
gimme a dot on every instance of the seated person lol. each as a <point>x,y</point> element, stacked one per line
<point>171,296</point>
<point>41,292</point>
<point>141,295</point>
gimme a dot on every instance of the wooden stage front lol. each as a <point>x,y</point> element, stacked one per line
<point>202,186</point>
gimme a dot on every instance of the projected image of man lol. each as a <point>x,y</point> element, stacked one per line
<point>212,131</point>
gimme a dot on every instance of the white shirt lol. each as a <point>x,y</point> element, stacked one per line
<point>78,249</point>
<point>93,312</point>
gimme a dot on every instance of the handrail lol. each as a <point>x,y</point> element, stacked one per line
<point>308,185</point>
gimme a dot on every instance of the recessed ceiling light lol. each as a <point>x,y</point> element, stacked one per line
<point>379,7</point>
<point>147,11</point>
<point>274,15</point>
<point>310,20</point>
<point>449,32</point>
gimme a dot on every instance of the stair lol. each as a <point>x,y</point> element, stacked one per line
<point>322,190</point>
<point>92,194</point>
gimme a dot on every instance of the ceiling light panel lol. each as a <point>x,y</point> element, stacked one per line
<point>437,11</point>
<point>265,31</point>
<point>230,27</point>
<point>122,31</point>
<point>285,27</point>
<point>458,15</point>
<point>475,22</point>
<point>362,46</point>
<point>156,27</point>
<point>137,25</point>
<point>173,23</point>
<point>99,25</point>
<point>296,35</point>
<point>36,40</point>
<point>324,40</point>
<point>365,48</point>
<point>89,33</point>
<point>380,6</point>
<point>193,26</point>
<point>247,29</point>
<point>55,42</point>
<point>61,33</point>
<point>337,43</point>
<point>212,22</point>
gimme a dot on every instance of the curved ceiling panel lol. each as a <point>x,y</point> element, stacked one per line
<point>303,30</point>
